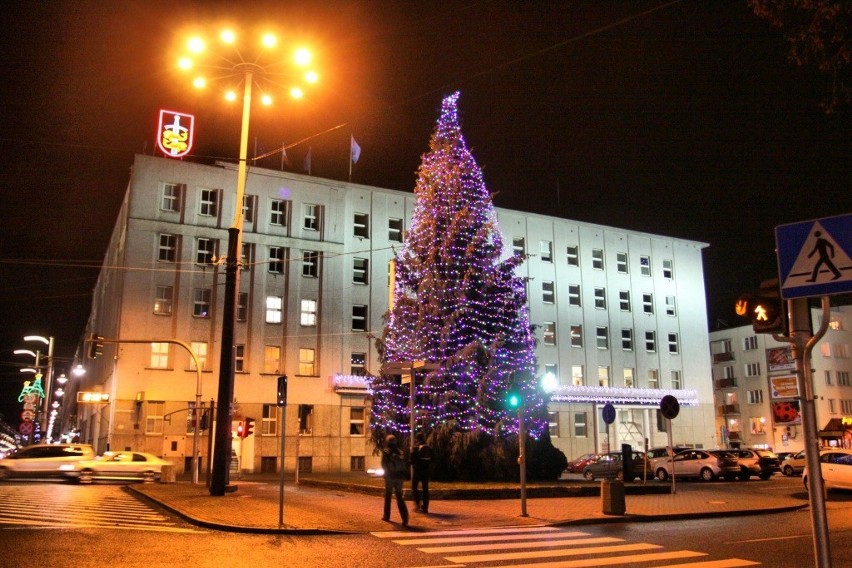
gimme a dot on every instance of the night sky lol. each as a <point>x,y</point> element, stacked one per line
<point>681,118</point>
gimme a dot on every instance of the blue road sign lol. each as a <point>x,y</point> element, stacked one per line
<point>608,413</point>
<point>815,257</point>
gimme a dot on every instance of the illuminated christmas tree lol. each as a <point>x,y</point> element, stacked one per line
<point>458,303</point>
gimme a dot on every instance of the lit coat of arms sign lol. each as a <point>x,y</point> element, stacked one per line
<point>175,133</point>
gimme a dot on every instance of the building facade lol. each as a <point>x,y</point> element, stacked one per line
<point>757,396</point>
<point>620,318</point>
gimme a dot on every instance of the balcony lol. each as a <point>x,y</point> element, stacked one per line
<point>726,409</point>
<point>734,436</point>
<point>728,383</point>
<point>723,357</point>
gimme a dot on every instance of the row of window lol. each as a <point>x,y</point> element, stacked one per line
<point>572,257</point>
<point>280,210</point>
<point>602,338</point>
<point>548,296</point>
<point>161,358</point>
<point>842,378</point>
<point>845,406</point>
<point>750,369</point>
<point>628,379</point>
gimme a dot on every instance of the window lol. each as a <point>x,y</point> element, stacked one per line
<point>361,226</point>
<point>653,379</point>
<point>553,424</point>
<point>159,355</point>
<point>580,430</point>
<point>201,302</point>
<point>600,298</point>
<point>311,218</point>
<point>548,295</point>
<point>359,318</point>
<point>602,337</point>
<point>750,342</point>
<point>310,264</point>
<point>208,204</point>
<point>249,202</point>
<point>624,300</point>
<point>645,265</point>
<point>577,375</point>
<point>274,307</point>
<point>276,260</point>
<point>546,251</point>
<point>648,303</point>
<point>271,359</point>
<point>627,339</point>
<point>205,250</point>
<point>674,347</point>
<point>843,378</point>
<point>651,341</point>
<point>358,364</point>
<point>671,306</point>
<point>167,248</point>
<point>247,256</point>
<point>573,256</point>
<point>758,425</point>
<point>603,376</point>
<point>574,295</point>
<point>306,419</point>
<point>828,377</point>
<point>357,463</point>
<point>519,248</point>
<point>356,421</point>
<point>269,420</point>
<point>677,384</point>
<point>752,369</point>
<point>309,313</point>
<point>155,410</point>
<point>307,362</point>
<point>628,378</point>
<point>755,396</point>
<point>621,262</point>
<point>576,335</point>
<point>668,268</point>
<point>170,200</point>
<point>846,406</point>
<point>359,270</point>
<point>597,259</point>
<point>728,372</point>
<point>240,358</point>
<point>163,300</point>
<point>551,369</point>
<point>200,350</point>
<point>395,228</point>
<point>549,333</point>
<point>832,409</point>
<point>242,306</point>
<point>278,210</point>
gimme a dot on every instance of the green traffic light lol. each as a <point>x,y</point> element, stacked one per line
<point>514,400</point>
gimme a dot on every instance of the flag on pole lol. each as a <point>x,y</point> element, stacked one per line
<point>355,150</point>
<point>284,158</point>
<point>306,164</point>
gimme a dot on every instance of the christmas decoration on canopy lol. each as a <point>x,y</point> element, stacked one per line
<point>457,303</point>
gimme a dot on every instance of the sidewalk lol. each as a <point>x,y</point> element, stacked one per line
<point>341,504</point>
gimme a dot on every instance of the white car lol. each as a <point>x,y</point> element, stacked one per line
<point>836,466</point>
<point>43,460</point>
<point>117,466</point>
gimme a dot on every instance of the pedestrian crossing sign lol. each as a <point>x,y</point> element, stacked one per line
<point>815,257</point>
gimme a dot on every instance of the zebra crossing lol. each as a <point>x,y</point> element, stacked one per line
<point>550,547</point>
<point>58,505</point>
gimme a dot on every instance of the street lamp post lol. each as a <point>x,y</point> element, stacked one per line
<point>249,72</point>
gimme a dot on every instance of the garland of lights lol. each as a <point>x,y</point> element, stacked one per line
<point>457,304</point>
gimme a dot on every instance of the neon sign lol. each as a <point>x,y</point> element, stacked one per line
<point>175,133</point>
<point>33,388</point>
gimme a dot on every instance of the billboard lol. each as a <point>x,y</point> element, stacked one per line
<point>780,359</point>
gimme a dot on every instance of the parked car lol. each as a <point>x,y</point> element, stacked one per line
<point>129,466</point>
<point>793,464</point>
<point>762,463</point>
<point>660,454</point>
<point>611,466</point>
<point>836,466</point>
<point>578,464</point>
<point>701,464</point>
<point>43,460</point>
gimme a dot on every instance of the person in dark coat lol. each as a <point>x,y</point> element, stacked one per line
<point>396,472</point>
<point>421,462</point>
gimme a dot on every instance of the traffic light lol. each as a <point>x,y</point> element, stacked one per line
<point>767,314</point>
<point>282,390</point>
<point>96,346</point>
<point>205,420</point>
<point>513,399</point>
<point>241,429</point>
<point>249,427</point>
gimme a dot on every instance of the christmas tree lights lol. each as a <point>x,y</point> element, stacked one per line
<point>458,304</point>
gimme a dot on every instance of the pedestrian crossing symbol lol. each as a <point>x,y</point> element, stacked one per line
<point>814,257</point>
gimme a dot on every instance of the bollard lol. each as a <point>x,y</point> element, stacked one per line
<point>168,474</point>
<point>612,497</point>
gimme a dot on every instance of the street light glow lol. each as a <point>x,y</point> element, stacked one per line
<point>266,100</point>
<point>311,77</point>
<point>302,56</point>
<point>195,45</point>
<point>230,96</point>
<point>185,63</point>
<point>228,36</point>
<point>296,93</point>
<point>269,40</point>
<point>199,83</point>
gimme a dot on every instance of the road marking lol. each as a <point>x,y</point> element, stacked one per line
<point>593,562</point>
<point>496,530</point>
<point>630,547</point>
<point>514,545</point>
<point>427,539</point>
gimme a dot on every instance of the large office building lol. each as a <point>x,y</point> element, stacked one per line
<point>620,316</point>
<point>757,396</point>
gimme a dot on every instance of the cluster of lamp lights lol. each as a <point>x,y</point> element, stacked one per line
<point>453,290</point>
<point>236,66</point>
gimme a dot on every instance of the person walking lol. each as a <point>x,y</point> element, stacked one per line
<point>396,471</point>
<point>421,462</point>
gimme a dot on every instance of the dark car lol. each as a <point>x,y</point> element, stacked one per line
<point>762,463</point>
<point>578,464</point>
<point>611,466</point>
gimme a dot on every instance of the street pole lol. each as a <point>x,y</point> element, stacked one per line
<point>281,480</point>
<point>220,482</point>
<point>522,459</point>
